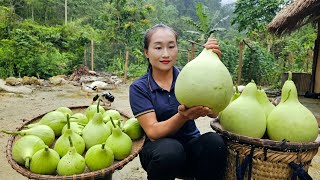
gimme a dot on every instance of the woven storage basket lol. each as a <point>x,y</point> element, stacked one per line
<point>264,159</point>
<point>105,174</point>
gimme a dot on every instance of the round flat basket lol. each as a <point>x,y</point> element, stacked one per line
<point>264,159</point>
<point>99,174</point>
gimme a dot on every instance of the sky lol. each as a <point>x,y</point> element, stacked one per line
<point>227,1</point>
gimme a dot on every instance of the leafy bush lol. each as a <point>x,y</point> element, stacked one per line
<point>230,57</point>
<point>34,50</point>
<point>258,65</point>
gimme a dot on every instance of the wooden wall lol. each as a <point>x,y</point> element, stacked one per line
<point>301,80</point>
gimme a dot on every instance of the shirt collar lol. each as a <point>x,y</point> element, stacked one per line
<point>152,83</point>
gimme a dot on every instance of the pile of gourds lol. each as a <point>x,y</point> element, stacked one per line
<point>67,143</point>
<point>205,81</point>
<point>253,115</point>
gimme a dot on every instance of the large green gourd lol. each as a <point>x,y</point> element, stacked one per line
<point>245,115</point>
<point>98,157</point>
<point>71,163</point>
<point>62,144</point>
<point>54,119</point>
<point>119,142</point>
<point>205,81</point>
<point>96,131</point>
<point>291,120</point>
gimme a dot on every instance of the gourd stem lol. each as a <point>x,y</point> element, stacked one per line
<point>289,75</point>
<point>9,132</point>
<point>98,104</point>
<point>103,144</point>
<point>68,121</point>
<point>27,163</point>
<point>237,90</point>
<point>112,122</point>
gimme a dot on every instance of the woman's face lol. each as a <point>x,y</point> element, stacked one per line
<point>162,51</point>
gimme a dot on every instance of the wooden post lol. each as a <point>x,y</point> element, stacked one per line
<point>85,56</point>
<point>308,60</point>
<point>240,62</point>
<point>315,79</point>
<point>317,73</point>
<point>92,63</point>
<point>291,60</point>
<point>192,50</point>
<point>126,66</point>
<point>65,12</point>
<point>193,43</point>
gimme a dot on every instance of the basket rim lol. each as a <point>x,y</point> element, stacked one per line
<point>264,143</point>
<point>87,175</point>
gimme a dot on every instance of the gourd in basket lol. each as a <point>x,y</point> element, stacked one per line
<point>291,127</point>
<point>104,171</point>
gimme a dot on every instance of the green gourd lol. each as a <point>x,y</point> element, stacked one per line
<point>92,109</point>
<point>54,119</point>
<point>114,114</point>
<point>75,127</point>
<point>291,120</point>
<point>96,131</point>
<point>62,144</point>
<point>44,161</point>
<point>44,132</point>
<point>119,142</point>
<point>71,163</point>
<point>79,118</point>
<point>65,110</point>
<point>244,115</point>
<point>205,81</point>
<point>264,101</point>
<point>25,147</point>
<point>132,128</point>
<point>288,84</point>
<point>98,157</point>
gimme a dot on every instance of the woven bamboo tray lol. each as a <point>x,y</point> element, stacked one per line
<point>264,159</point>
<point>100,174</point>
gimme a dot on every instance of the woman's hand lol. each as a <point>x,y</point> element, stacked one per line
<point>194,112</point>
<point>213,44</point>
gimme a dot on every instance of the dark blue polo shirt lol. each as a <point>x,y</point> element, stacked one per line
<point>147,96</point>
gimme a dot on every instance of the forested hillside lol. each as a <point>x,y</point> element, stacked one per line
<point>50,37</point>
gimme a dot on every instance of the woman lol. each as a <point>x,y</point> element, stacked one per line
<point>174,146</point>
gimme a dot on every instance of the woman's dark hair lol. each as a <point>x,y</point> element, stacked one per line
<point>149,33</point>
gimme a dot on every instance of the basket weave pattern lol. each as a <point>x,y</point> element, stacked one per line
<point>265,159</point>
<point>267,164</point>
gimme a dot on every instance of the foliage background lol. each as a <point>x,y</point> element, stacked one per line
<point>36,39</point>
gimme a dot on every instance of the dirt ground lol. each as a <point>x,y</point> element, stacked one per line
<point>16,107</point>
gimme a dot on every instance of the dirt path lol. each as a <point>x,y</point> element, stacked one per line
<point>14,108</point>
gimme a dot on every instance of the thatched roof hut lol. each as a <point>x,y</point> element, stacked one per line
<point>294,16</point>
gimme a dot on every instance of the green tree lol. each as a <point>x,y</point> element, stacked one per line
<point>204,27</point>
<point>254,15</point>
